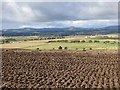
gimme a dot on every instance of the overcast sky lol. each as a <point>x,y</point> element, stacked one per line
<point>58,14</point>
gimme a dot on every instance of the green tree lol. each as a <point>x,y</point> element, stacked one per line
<point>96,41</point>
<point>37,48</point>
<point>65,48</point>
<point>90,41</point>
<point>7,41</point>
<point>60,48</point>
<point>90,48</point>
<point>83,41</point>
<point>76,48</point>
<point>84,49</point>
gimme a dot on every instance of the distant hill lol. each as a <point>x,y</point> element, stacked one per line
<point>59,31</point>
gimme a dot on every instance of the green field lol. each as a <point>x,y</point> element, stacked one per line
<point>46,45</point>
<point>73,46</point>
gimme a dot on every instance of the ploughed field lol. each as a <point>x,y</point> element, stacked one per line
<point>55,69</point>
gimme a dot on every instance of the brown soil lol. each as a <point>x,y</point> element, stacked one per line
<point>56,69</point>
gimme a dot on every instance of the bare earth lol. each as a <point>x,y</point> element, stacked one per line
<point>55,69</point>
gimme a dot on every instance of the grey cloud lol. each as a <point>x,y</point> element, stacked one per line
<point>68,11</point>
<point>40,12</point>
<point>77,11</point>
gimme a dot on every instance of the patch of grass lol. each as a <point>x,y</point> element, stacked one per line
<point>73,46</point>
<point>44,45</point>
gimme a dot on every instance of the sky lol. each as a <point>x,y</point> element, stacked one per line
<point>54,14</point>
